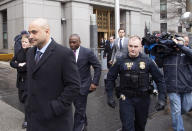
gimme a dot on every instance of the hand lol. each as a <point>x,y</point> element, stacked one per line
<point>155,92</point>
<point>22,64</point>
<point>175,40</point>
<point>92,87</point>
<point>178,43</point>
<point>110,62</point>
<point>160,105</point>
<point>105,57</point>
<point>111,102</point>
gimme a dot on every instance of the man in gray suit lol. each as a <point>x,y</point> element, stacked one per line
<point>120,46</point>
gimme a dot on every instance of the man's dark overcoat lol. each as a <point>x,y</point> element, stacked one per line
<point>53,83</point>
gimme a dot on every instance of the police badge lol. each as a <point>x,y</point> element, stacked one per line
<point>123,97</point>
<point>129,65</point>
<point>142,65</point>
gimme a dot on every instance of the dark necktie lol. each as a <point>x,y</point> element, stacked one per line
<point>111,45</point>
<point>38,56</point>
<point>120,44</point>
<point>74,51</point>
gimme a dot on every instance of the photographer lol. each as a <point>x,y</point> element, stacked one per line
<point>177,67</point>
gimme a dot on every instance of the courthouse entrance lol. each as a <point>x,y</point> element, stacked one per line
<point>105,23</point>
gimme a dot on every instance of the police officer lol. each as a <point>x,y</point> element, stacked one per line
<point>134,96</point>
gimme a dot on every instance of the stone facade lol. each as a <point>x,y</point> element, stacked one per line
<point>156,15</point>
<point>73,16</point>
<point>172,16</point>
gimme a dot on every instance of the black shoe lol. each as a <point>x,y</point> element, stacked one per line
<point>24,125</point>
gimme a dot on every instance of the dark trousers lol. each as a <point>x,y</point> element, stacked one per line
<point>20,94</point>
<point>134,113</point>
<point>80,119</point>
<point>21,90</point>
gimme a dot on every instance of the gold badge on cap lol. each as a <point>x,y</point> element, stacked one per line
<point>142,65</point>
<point>129,65</point>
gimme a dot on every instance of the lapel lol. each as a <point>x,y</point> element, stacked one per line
<point>32,58</point>
<point>45,56</point>
<point>80,54</point>
<point>116,43</point>
<point>125,42</point>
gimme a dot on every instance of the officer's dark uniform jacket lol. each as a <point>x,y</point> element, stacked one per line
<point>134,76</point>
<point>177,69</point>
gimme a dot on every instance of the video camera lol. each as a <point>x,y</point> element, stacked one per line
<point>159,45</point>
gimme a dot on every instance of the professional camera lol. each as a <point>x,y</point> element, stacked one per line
<point>149,41</point>
<point>159,45</point>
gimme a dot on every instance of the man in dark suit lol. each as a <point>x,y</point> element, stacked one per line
<point>53,81</point>
<point>120,46</point>
<point>108,51</point>
<point>85,58</point>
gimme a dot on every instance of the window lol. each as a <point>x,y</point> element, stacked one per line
<point>5,39</point>
<point>179,29</point>
<point>180,11</point>
<point>163,27</point>
<point>179,1</point>
<point>163,9</point>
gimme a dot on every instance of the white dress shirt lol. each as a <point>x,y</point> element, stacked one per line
<point>122,41</point>
<point>44,48</point>
<point>77,53</point>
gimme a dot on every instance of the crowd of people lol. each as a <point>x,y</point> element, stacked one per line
<point>51,78</point>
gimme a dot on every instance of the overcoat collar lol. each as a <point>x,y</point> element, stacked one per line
<point>44,57</point>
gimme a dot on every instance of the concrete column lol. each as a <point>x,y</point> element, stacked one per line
<point>117,17</point>
<point>127,24</point>
<point>1,31</point>
<point>78,21</point>
<point>135,23</point>
<point>93,32</point>
<point>188,5</point>
<point>15,21</point>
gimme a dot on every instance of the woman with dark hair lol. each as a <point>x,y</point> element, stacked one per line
<point>19,62</point>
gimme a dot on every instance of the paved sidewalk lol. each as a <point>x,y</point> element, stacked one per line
<point>100,116</point>
<point>10,118</point>
<point>161,121</point>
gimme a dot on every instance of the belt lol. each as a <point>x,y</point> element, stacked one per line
<point>129,93</point>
